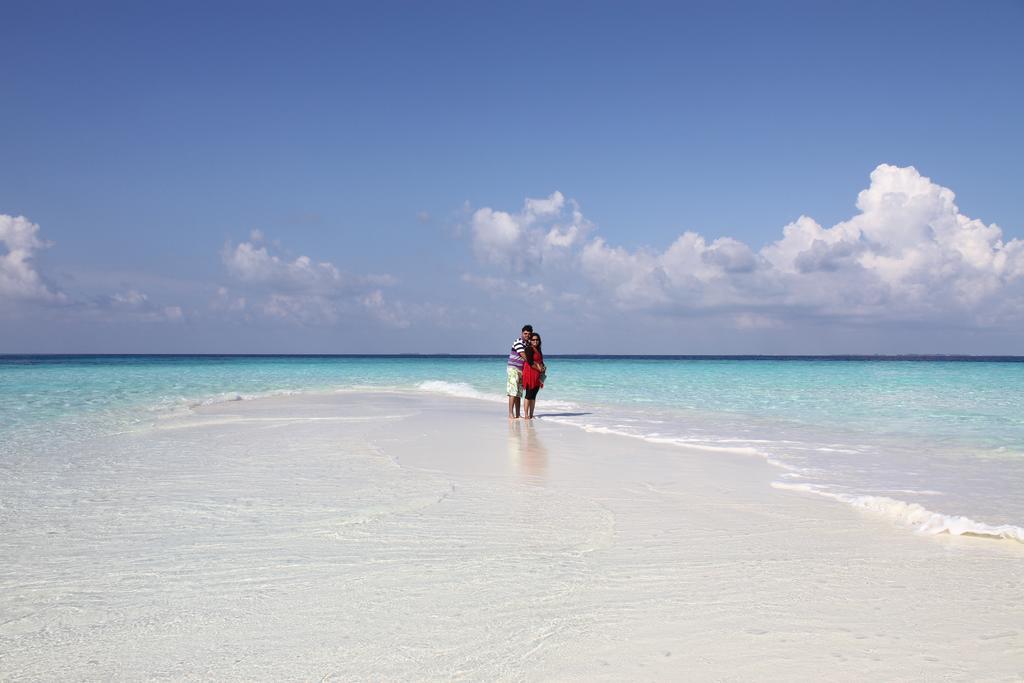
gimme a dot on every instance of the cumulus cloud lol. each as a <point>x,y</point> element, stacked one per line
<point>302,290</point>
<point>522,241</point>
<point>909,248</point>
<point>908,253</point>
<point>255,264</point>
<point>549,206</point>
<point>690,273</point>
<point>19,280</point>
<point>252,263</point>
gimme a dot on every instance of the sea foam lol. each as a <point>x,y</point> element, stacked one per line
<point>464,390</point>
<point>913,515</point>
<point>458,389</point>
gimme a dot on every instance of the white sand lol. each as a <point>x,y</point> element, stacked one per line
<point>401,536</point>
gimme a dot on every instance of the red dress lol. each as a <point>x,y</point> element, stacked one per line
<point>531,376</point>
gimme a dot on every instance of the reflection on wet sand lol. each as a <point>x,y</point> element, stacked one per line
<point>526,450</point>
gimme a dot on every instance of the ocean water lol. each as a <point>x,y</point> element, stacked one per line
<point>935,444</point>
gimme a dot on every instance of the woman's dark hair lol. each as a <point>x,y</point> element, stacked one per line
<point>539,342</point>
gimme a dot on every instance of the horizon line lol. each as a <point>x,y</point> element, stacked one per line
<point>652,356</point>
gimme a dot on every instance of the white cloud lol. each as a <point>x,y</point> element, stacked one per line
<point>255,264</point>
<point>909,248</point>
<point>731,256</point>
<point>539,208</point>
<point>18,278</point>
<point>131,298</point>
<point>689,273</point>
<point>522,241</point>
<point>498,238</point>
<point>627,275</point>
<point>908,254</point>
<point>132,304</point>
<point>385,311</point>
<point>225,301</point>
<point>302,290</point>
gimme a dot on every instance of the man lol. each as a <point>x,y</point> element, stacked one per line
<point>516,360</point>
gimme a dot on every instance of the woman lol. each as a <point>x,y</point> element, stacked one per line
<point>533,370</point>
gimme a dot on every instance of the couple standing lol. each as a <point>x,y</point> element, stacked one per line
<point>525,373</point>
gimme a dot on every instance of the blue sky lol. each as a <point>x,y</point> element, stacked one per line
<point>168,166</point>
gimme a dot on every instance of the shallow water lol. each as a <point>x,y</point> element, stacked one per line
<point>945,435</point>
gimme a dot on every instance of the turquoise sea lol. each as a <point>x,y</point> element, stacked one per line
<point>945,434</point>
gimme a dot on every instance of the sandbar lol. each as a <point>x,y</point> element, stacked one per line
<point>406,536</point>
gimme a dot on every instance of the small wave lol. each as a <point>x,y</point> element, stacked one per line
<point>463,390</point>
<point>669,440</point>
<point>170,407</point>
<point>458,389</point>
<point>791,470</point>
<point>230,396</point>
<point>222,398</point>
<point>917,517</point>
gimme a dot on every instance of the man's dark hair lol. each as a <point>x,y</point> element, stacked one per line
<point>527,328</point>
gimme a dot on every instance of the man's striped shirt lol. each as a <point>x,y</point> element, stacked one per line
<point>514,359</point>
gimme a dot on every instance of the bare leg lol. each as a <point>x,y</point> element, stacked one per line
<point>518,403</point>
<point>511,407</point>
